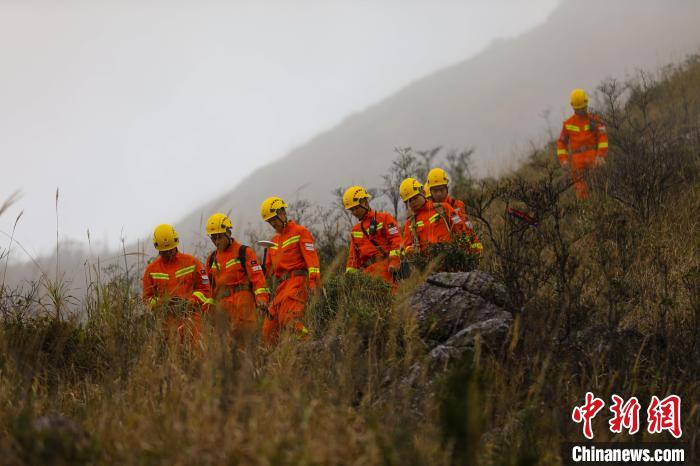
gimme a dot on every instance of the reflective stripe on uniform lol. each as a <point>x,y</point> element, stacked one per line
<point>357,234</point>
<point>562,152</point>
<point>232,262</point>
<point>395,252</point>
<point>434,218</point>
<point>477,246</point>
<point>602,145</point>
<point>261,291</point>
<point>380,225</point>
<point>160,276</point>
<point>293,239</point>
<point>200,296</point>
<point>586,128</point>
<point>350,269</point>
<point>573,128</point>
<point>185,271</point>
<point>419,223</point>
<point>313,270</point>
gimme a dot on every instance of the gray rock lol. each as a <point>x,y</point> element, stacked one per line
<point>453,310</point>
<point>491,334</point>
<point>450,302</point>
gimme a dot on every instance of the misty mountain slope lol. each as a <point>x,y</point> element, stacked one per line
<point>495,102</point>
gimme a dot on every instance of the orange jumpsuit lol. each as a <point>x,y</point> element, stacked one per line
<point>475,246</point>
<point>182,278</point>
<point>237,289</point>
<point>294,262</point>
<point>375,260</point>
<point>583,139</point>
<point>431,228</point>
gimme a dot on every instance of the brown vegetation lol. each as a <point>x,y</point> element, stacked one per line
<point>608,299</point>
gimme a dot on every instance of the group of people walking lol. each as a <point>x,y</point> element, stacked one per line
<point>233,282</point>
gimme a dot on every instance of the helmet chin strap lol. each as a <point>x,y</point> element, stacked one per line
<point>284,222</point>
<point>366,209</point>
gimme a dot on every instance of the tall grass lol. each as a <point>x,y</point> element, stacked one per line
<point>607,299</point>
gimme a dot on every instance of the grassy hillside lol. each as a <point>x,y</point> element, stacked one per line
<point>607,296</point>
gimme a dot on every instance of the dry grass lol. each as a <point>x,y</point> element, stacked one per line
<point>608,300</point>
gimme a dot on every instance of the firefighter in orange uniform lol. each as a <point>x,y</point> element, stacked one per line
<point>177,284</point>
<point>428,222</point>
<point>583,142</point>
<point>237,280</point>
<point>375,241</point>
<point>293,261</point>
<point>437,191</point>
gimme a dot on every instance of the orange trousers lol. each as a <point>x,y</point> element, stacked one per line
<point>240,307</point>
<point>381,269</point>
<point>188,329</point>
<point>580,164</point>
<point>287,310</point>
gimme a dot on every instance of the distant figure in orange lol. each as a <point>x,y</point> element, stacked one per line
<point>293,261</point>
<point>583,142</point>
<point>177,285</point>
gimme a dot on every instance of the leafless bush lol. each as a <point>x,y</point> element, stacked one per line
<point>653,132</point>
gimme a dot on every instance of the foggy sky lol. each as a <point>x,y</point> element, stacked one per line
<point>139,113</point>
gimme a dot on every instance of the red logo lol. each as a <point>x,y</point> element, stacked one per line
<point>662,415</point>
<point>665,415</point>
<point>587,412</point>
<point>625,415</point>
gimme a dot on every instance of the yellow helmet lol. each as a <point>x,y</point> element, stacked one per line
<point>270,206</point>
<point>165,237</point>
<point>353,195</point>
<point>579,99</point>
<point>218,223</point>
<point>436,177</point>
<point>410,187</point>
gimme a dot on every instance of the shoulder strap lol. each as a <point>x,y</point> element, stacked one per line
<point>211,259</point>
<point>210,262</point>
<point>440,209</point>
<point>371,240</point>
<point>414,230</point>
<point>241,258</point>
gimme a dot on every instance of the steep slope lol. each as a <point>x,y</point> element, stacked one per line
<point>495,102</point>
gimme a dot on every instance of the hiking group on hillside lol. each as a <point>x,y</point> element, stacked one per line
<point>233,283</point>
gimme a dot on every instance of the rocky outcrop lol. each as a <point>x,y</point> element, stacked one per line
<point>455,310</point>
